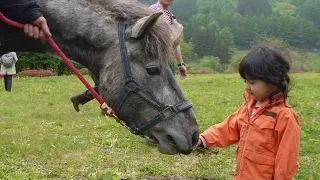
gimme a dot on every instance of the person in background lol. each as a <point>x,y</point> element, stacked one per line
<point>177,33</point>
<point>265,127</point>
<point>28,13</point>
<point>8,68</point>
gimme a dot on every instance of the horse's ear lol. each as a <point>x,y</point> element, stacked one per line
<point>140,26</point>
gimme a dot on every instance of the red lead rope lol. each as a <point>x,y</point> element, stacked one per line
<point>103,105</point>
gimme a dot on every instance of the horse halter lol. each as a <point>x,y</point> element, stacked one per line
<point>165,111</point>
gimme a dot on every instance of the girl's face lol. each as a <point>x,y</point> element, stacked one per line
<point>258,89</point>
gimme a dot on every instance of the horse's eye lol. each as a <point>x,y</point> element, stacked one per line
<point>153,71</point>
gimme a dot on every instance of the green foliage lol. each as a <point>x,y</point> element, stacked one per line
<point>284,8</point>
<point>204,41</point>
<point>234,65</point>
<point>254,8</point>
<point>227,36</point>
<point>211,63</point>
<point>205,33</point>
<point>214,28</point>
<point>310,10</point>
<point>209,42</point>
<point>298,2</point>
<point>300,60</point>
<point>42,137</point>
<point>276,43</point>
<point>310,61</point>
<point>188,53</point>
<point>295,30</point>
<point>235,61</point>
<point>194,68</point>
<point>183,10</point>
<point>36,61</point>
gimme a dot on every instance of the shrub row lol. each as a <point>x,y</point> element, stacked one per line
<point>44,73</point>
<point>35,73</point>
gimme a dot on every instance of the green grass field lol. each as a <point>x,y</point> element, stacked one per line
<point>42,137</point>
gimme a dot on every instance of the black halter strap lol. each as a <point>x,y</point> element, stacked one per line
<point>165,111</point>
<point>123,52</point>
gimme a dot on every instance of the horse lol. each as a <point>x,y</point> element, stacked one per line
<point>136,77</point>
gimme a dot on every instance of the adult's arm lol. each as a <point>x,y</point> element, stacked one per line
<point>28,13</point>
<point>182,67</point>
<point>23,11</point>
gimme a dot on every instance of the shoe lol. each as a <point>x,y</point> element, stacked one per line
<point>75,104</point>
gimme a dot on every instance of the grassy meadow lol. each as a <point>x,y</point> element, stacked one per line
<point>42,137</point>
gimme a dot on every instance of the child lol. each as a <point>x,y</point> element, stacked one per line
<point>266,128</point>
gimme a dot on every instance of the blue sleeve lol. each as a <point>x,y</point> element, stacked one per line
<point>23,11</point>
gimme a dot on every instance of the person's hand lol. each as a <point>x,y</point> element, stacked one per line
<point>183,71</point>
<point>40,30</point>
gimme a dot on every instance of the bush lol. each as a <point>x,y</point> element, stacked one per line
<point>36,73</point>
<point>211,63</point>
<point>204,71</point>
<point>317,70</point>
<point>234,65</point>
<point>84,71</point>
<point>297,71</point>
<point>44,61</point>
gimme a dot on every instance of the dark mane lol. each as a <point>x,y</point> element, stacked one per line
<point>129,11</point>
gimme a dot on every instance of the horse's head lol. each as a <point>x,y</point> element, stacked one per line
<point>144,91</point>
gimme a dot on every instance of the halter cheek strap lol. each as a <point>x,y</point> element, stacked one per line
<point>165,111</point>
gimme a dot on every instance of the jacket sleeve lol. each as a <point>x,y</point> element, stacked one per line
<point>23,11</point>
<point>222,134</point>
<point>287,132</point>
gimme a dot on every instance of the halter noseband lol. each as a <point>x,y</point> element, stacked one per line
<point>165,111</point>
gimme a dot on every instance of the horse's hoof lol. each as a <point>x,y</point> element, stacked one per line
<point>75,104</point>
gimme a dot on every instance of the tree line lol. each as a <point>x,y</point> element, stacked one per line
<point>215,28</point>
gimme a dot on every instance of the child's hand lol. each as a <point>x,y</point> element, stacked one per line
<point>199,143</point>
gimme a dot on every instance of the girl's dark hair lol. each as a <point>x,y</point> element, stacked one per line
<point>267,64</point>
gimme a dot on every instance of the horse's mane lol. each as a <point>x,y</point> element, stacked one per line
<point>156,40</point>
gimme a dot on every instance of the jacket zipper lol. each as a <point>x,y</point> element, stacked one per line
<point>244,145</point>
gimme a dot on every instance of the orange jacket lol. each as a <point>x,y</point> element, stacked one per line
<point>268,145</point>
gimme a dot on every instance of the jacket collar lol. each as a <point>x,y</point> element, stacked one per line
<point>275,99</point>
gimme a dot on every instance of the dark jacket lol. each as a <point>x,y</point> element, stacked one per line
<point>23,11</point>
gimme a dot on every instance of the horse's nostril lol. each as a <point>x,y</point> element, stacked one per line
<point>184,145</point>
<point>170,139</point>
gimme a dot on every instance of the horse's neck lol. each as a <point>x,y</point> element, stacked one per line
<point>80,32</point>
